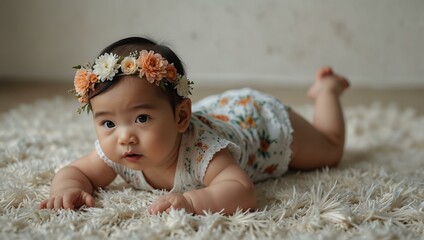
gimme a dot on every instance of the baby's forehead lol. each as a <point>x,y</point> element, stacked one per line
<point>146,89</point>
<point>147,92</point>
<point>132,90</point>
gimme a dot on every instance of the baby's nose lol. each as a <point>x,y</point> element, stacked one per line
<point>127,138</point>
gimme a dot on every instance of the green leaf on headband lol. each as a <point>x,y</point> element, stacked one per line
<point>88,108</point>
<point>79,110</point>
<point>162,85</point>
<point>85,108</point>
<point>77,67</point>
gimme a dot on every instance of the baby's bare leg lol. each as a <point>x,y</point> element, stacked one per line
<point>321,143</point>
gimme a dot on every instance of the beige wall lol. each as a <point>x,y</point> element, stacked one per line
<point>377,43</point>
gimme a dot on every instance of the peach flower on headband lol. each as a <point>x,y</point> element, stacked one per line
<point>152,65</point>
<point>83,100</point>
<point>171,72</point>
<point>83,81</point>
<point>129,65</point>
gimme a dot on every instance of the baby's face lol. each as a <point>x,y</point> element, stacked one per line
<point>136,125</point>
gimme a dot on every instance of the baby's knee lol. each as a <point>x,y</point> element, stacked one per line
<point>335,155</point>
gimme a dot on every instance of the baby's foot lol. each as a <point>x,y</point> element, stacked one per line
<point>327,81</point>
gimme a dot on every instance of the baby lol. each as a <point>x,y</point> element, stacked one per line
<point>209,155</point>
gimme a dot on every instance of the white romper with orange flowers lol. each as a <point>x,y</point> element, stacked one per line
<point>254,126</point>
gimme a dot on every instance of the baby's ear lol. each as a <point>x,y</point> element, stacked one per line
<point>183,114</point>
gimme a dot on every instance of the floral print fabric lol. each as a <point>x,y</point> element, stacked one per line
<point>257,123</point>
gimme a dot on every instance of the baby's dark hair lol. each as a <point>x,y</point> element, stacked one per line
<point>129,45</point>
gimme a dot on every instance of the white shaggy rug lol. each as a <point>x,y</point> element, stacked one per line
<point>377,192</point>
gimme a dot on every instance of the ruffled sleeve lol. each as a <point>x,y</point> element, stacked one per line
<point>103,156</point>
<point>202,142</point>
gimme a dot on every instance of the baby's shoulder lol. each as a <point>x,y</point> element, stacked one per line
<point>205,137</point>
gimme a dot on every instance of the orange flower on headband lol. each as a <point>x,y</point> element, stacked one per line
<point>152,65</point>
<point>83,100</point>
<point>83,81</point>
<point>171,72</point>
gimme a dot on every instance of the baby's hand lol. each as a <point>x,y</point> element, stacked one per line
<point>69,198</point>
<point>171,201</point>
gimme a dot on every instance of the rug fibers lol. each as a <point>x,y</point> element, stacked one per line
<point>377,192</point>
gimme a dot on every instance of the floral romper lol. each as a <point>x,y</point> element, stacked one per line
<point>253,126</point>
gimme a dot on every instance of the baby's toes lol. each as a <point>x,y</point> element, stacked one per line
<point>323,72</point>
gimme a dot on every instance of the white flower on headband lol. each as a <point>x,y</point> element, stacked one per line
<point>183,87</point>
<point>106,66</point>
<point>129,65</point>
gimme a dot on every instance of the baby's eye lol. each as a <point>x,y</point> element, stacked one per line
<point>108,124</point>
<point>142,118</point>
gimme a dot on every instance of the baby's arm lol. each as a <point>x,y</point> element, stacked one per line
<point>73,185</point>
<point>228,188</point>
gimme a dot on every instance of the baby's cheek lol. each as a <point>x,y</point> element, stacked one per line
<point>109,148</point>
<point>154,140</point>
<point>159,141</point>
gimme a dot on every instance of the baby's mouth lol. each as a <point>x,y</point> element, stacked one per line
<point>130,156</point>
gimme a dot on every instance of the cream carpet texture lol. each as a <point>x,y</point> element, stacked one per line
<point>377,192</point>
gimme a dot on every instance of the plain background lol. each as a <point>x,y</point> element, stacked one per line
<point>270,43</point>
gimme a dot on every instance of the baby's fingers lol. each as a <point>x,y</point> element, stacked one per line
<point>58,202</point>
<point>68,202</point>
<point>43,204</point>
<point>75,200</point>
<point>159,206</point>
<point>48,203</point>
<point>87,199</point>
<point>52,203</point>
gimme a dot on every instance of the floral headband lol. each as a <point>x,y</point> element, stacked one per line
<point>148,64</point>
